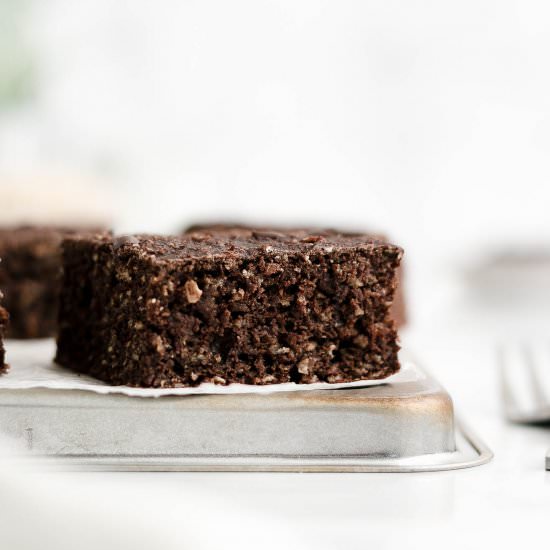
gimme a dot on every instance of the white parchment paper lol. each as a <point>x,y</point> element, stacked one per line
<point>32,367</point>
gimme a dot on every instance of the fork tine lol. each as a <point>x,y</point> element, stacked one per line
<point>508,397</point>
<point>523,382</point>
<point>535,385</point>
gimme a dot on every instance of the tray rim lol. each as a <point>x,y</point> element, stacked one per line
<point>468,442</point>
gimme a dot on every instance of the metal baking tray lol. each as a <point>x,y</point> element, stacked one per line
<point>392,427</point>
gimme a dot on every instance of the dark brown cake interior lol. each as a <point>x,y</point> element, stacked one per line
<point>256,309</point>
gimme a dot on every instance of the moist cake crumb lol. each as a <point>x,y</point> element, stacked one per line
<point>398,309</point>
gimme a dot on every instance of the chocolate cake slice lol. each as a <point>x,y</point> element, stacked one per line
<point>30,277</point>
<point>398,309</point>
<point>263,308</point>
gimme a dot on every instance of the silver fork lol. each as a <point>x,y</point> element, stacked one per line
<point>524,372</point>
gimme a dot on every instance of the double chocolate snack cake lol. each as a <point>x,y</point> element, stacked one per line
<point>398,310</point>
<point>263,308</point>
<point>30,277</point>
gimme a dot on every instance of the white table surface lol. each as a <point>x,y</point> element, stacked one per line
<point>496,504</point>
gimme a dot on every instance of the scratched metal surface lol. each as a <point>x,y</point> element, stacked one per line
<point>408,426</point>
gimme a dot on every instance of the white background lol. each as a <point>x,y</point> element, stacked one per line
<point>429,120</point>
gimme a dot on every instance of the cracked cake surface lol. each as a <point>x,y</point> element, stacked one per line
<point>257,308</point>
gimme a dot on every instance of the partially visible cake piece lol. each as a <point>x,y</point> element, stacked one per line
<point>3,323</point>
<point>261,308</point>
<point>30,276</point>
<point>398,308</point>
